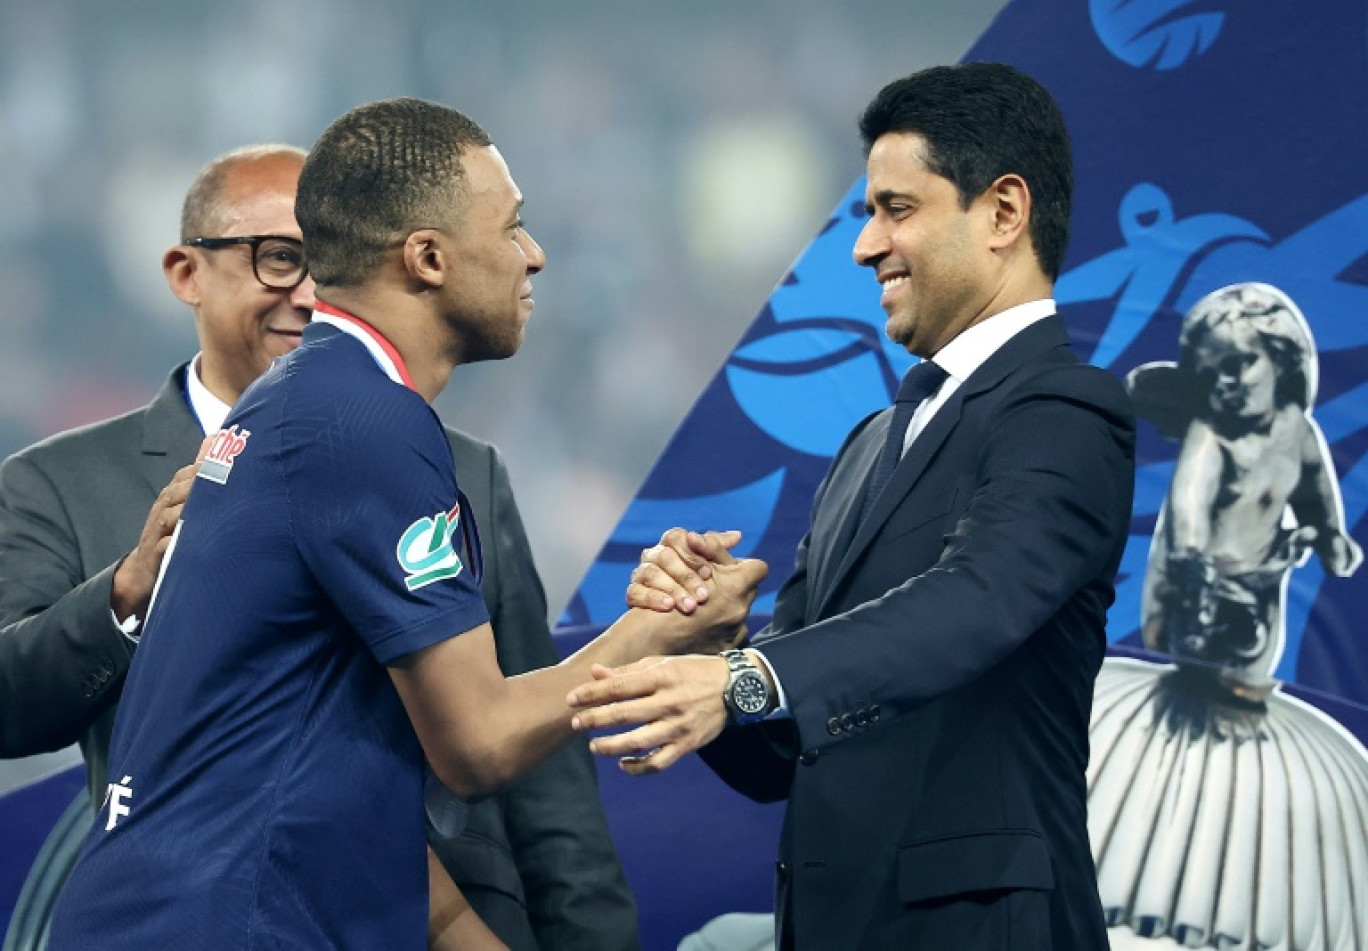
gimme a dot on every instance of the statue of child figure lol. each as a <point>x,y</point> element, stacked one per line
<point>1253,491</point>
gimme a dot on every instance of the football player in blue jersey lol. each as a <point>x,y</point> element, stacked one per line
<point>318,634</point>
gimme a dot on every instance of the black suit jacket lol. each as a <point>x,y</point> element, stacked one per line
<point>938,662</point>
<point>535,861</point>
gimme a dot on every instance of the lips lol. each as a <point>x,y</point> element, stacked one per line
<point>291,336</point>
<point>892,283</point>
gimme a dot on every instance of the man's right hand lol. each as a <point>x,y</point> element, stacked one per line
<point>718,623</point>
<point>673,575</point>
<point>137,573</point>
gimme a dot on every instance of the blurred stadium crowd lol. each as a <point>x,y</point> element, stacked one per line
<point>675,158</point>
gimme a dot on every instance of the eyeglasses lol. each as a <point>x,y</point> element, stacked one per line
<point>277,262</point>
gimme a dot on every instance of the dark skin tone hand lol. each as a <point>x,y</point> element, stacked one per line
<point>136,575</point>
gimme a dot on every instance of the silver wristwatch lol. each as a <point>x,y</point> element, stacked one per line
<point>748,696</point>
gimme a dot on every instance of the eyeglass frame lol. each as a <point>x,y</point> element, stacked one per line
<point>254,241</point>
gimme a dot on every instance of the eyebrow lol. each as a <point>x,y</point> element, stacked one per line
<point>885,197</point>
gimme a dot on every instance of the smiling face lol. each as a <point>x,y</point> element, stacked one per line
<point>929,253</point>
<point>489,303</point>
<point>242,324</point>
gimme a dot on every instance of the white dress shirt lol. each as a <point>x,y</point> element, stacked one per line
<point>208,408</point>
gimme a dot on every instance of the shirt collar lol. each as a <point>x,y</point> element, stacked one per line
<point>375,342</point>
<point>972,348</point>
<point>208,408</point>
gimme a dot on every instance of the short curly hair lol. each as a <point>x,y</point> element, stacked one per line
<point>377,173</point>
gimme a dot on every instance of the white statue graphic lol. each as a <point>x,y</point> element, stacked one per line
<point>1224,813</point>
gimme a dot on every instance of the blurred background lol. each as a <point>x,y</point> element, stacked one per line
<point>675,159</point>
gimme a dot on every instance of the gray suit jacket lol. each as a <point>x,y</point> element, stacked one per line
<point>536,861</point>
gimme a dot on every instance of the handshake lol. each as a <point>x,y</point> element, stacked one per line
<point>699,597</point>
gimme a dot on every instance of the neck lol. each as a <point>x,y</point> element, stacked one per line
<point>1015,289</point>
<point>409,328</point>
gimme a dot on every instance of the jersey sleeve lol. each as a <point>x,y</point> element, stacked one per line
<point>373,504</point>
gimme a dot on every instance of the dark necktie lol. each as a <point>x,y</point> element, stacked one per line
<point>919,383</point>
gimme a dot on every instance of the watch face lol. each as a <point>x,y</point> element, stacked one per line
<point>749,693</point>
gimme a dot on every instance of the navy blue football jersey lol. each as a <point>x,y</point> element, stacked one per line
<point>266,783</point>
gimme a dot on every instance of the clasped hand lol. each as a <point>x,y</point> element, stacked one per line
<point>672,705</point>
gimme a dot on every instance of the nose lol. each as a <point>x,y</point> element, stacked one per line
<point>872,244</point>
<point>536,257</point>
<point>303,294</point>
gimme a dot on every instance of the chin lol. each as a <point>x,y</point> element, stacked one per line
<point>493,350</point>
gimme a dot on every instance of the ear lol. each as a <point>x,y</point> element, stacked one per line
<point>1009,206</point>
<point>181,268</point>
<point>425,259</point>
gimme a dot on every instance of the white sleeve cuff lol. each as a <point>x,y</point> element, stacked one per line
<point>782,710</point>
<point>130,628</point>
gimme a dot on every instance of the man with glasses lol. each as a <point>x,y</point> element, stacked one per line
<point>84,527</point>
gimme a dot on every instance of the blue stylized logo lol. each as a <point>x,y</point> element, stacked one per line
<point>1160,34</point>
<point>823,362</point>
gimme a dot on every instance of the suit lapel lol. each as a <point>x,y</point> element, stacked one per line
<point>923,449</point>
<point>836,519</point>
<point>171,433</point>
<point>850,540</point>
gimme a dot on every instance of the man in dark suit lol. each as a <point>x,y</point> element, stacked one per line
<point>921,698</point>
<point>84,521</point>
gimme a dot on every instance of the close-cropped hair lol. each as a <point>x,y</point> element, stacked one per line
<point>981,121</point>
<point>376,174</point>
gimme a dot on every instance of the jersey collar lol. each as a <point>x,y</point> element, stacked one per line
<point>375,343</point>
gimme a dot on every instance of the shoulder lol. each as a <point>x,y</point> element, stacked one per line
<point>1061,375</point>
<point>342,425</point>
<point>466,446</point>
<point>334,386</point>
<point>475,456</point>
<point>118,435</point>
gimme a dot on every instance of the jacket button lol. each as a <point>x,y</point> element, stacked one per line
<point>862,717</point>
<point>809,757</point>
<point>847,722</point>
<point>873,713</point>
<point>834,726</point>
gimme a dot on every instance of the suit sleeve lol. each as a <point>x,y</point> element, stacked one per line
<point>577,896</point>
<point>62,659</point>
<point>1054,476</point>
<point>758,761</point>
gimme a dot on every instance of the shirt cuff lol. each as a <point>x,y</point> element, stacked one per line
<point>781,712</point>
<point>130,628</point>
